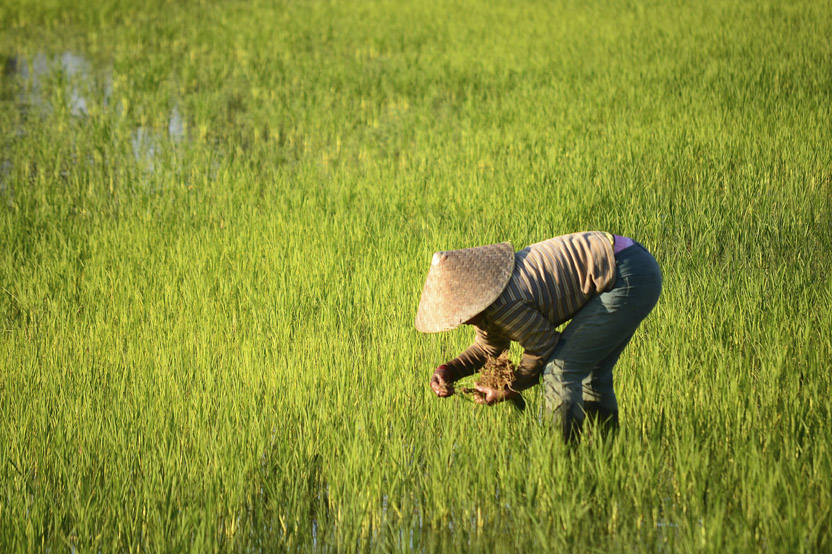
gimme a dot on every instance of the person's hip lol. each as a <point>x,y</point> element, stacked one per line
<point>638,275</point>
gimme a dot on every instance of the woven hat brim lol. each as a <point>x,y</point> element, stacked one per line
<point>462,283</point>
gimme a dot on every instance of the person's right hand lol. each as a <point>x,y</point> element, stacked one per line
<point>442,381</point>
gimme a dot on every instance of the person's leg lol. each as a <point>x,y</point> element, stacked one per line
<point>562,397</point>
<point>637,289</point>
<point>582,345</point>
<point>600,403</point>
<point>592,342</point>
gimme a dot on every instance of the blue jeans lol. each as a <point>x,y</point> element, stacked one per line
<point>577,379</point>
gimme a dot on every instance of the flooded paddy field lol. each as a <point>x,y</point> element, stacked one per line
<point>215,220</point>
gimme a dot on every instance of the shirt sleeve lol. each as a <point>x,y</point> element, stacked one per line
<point>536,334</point>
<point>486,343</point>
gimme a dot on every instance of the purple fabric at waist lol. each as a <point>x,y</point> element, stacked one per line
<point>621,243</point>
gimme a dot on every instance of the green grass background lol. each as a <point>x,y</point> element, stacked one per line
<point>213,349</point>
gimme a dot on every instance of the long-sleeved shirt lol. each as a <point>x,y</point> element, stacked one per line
<point>551,281</point>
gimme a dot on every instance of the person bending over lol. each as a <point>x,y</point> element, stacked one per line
<point>605,284</point>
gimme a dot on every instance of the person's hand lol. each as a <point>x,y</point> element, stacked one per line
<point>441,382</point>
<point>491,396</point>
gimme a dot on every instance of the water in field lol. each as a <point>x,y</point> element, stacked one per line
<point>77,79</point>
<point>35,73</point>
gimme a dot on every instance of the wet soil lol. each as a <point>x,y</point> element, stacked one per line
<point>497,373</point>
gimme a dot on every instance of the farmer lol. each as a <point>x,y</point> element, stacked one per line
<point>606,284</point>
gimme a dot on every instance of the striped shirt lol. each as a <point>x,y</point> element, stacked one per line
<point>551,281</point>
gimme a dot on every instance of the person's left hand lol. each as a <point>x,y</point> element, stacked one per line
<point>441,383</point>
<point>491,396</point>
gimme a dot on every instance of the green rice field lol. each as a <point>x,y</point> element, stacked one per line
<point>215,223</point>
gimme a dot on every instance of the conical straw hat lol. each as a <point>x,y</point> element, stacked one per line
<point>461,284</point>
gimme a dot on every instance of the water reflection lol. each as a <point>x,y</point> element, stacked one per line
<point>176,128</point>
<point>74,72</point>
<point>72,68</point>
<point>143,142</point>
<point>76,69</point>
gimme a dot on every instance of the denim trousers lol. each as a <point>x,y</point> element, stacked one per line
<point>578,377</point>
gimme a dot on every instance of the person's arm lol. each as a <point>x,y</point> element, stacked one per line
<point>537,336</point>
<point>469,362</point>
<point>486,344</point>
